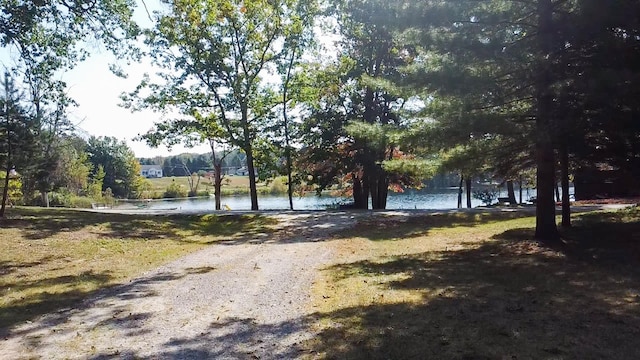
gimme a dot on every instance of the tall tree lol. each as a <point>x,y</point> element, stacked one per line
<point>498,61</point>
<point>17,129</point>
<point>224,50</point>
<point>355,117</point>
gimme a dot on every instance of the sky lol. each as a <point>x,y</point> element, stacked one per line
<point>97,91</point>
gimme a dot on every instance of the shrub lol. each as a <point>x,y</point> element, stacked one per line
<point>68,200</point>
<point>174,190</point>
<point>487,196</point>
<point>278,186</point>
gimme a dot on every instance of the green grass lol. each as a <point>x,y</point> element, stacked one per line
<point>477,287</point>
<point>53,258</point>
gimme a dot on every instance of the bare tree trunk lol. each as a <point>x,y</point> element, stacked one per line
<point>546,229</point>
<point>217,185</point>
<point>252,178</point>
<point>248,149</point>
<point>217,176</point>
<point>511,192</point>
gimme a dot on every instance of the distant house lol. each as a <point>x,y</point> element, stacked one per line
<point>151,171</point>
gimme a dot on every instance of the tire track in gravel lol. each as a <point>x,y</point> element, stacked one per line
<point>228,301</point>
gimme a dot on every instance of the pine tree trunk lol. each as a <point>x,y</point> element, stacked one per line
<point>379,191</point>
<point>564,170</point>
<point>460,191</point>
<point>383,192</point>
<point>546,229</point>
<point>511,193</point>
<point>468,186</point>
<point>520,187</point>
<point>359,200</point>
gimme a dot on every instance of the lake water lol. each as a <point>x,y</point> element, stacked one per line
<point>411,199</point>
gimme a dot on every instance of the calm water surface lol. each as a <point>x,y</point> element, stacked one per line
<point>443,199</point>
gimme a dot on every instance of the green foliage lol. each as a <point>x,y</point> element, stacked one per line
<point>121,169</point>
<point>175,190</point>
<point>94,187</point>
<point>278,186</point>
<point>15,189</point>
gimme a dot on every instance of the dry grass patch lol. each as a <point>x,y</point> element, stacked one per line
<point>52,258</point>
<point>231,184</point>
<point>469,287</point>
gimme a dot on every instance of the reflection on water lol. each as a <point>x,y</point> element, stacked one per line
<point>443,199</point>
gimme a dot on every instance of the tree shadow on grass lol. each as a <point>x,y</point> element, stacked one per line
<point>37,224</point>
<point>9,267</point>
<point>385,227</point>
<point>611,238</point>
<point>503,299</point>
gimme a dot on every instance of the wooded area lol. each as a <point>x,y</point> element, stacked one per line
<point>408,89</point>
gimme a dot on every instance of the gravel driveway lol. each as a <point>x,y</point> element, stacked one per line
<point>236,300</point>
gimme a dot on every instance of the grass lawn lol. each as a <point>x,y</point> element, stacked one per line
<point>53,258</point>
<point>477,287</point>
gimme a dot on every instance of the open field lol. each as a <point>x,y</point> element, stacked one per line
<point>475,287</point>
<point>231,184</point>
<point>52,258</point>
